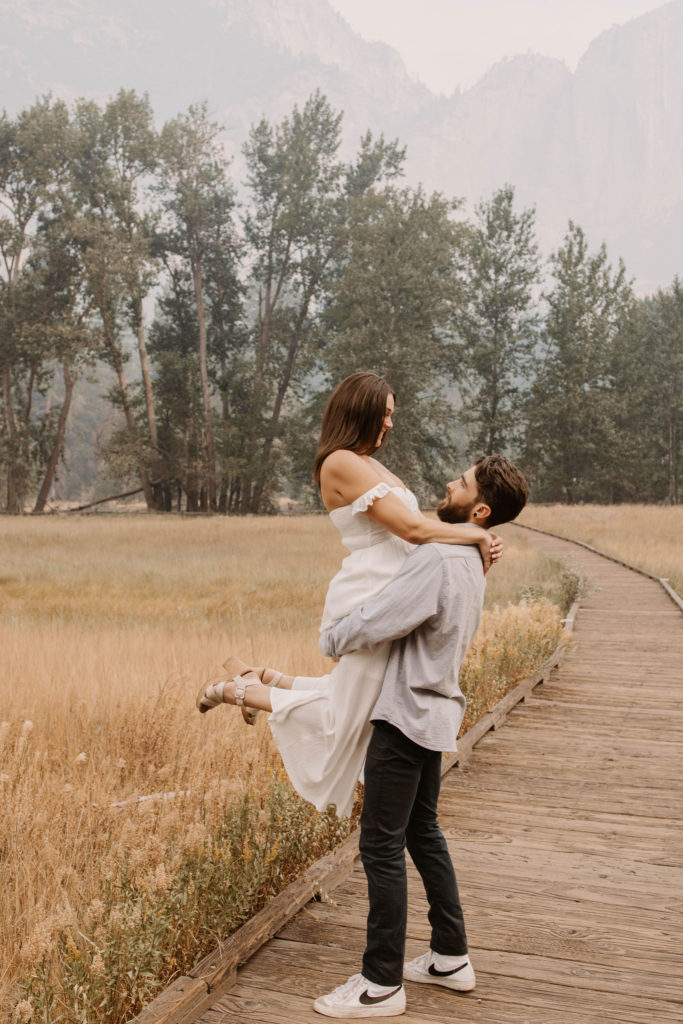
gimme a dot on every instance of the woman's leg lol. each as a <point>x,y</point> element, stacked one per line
<point>321,724</point>
<point>267,675</point>
<point>251,691</point>
<point>255,695</point>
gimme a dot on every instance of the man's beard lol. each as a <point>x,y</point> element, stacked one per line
<point>448,513</point>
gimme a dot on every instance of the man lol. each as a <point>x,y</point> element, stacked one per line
<point>430,610</point>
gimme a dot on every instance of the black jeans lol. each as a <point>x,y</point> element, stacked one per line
<point>402,782</point>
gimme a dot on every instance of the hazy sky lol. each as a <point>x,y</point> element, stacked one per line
<point>447,43</point>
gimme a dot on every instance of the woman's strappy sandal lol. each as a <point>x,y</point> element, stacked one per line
<point>211,693</point>
<point>234,664</point>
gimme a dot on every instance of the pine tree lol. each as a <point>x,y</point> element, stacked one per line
<point>495,321</point>
<point>570,429</point>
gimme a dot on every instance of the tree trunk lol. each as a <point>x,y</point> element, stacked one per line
<point>672,458</point>
<point>130,423</point>
<point>223,495</point>
<point>266,306</point>
<point>207,435</point>
<point>192,492</point>
<point>156,501</point>
<point>13,505</point>
<point>58,448</point>
<point>146,375</point>
<point>260,482</point>
<point>225,405</point>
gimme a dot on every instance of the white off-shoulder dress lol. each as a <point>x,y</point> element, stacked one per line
<point>322,725</point>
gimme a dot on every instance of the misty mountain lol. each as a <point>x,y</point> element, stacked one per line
<point>602,145</point>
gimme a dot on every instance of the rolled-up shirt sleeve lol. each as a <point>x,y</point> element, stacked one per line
<point>408,600</point>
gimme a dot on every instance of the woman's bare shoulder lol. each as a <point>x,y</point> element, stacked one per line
<point>344,476</point>
<point>343,464</point>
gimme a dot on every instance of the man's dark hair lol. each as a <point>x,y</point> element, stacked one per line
<point>502,487</point>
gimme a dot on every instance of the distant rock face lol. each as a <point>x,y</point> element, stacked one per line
<point>629,129</point>
<point>500,130</point>
<point>316,49</point>
<point>603,146</point>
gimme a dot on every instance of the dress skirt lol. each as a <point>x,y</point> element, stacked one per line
<point>322,727</point>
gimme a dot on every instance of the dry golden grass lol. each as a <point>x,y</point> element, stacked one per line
<point>648,536</point>
<point>107,626</point>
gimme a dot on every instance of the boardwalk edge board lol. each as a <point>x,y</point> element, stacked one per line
<point>668,589</point>
<point>187,997</point>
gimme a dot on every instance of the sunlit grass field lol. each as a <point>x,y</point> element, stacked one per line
<point>649,536</point>
<point>107,626</point>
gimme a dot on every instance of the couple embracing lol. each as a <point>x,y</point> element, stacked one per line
<point>398,617</point>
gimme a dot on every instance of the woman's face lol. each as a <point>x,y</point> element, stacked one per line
<point>386,422</point>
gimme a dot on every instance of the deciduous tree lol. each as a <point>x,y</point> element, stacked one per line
<point>33,157</point>
<point>114,159</point>
<point>389,310</point>
<point>198,200</point>
<point>296,228</point>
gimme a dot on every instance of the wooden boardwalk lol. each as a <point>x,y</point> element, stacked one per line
<point>566,836</point>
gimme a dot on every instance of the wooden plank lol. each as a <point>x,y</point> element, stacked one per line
<point>635,724</point>
<point>609,900</point>
<point>553,839</point>
<point>492,812</point>
<point>632,769</point>
<point>180,1003</point>
<point>588,698</point>
<point>516,928</point>
<point>592,798</point>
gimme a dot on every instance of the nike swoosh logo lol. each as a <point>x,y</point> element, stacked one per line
<point>367,1000</point>
<point>445,974</point>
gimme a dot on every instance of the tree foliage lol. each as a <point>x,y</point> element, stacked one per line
<point>570,430</point>
<point>388,310</point>
<point>495,321</point>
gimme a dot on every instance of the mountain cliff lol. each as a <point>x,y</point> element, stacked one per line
<point>602,145</point>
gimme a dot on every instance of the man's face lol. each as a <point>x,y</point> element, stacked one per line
<point>461,498</point>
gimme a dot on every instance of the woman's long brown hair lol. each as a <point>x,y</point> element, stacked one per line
<point>353,417</point>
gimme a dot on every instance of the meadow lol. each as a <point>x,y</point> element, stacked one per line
<point>137,833</point>
<point>648,536</point>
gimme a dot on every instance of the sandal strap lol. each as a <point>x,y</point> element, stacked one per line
<point>241,685</point>
<point>215,692</point>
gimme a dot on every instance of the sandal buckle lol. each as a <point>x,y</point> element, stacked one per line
<point>240,690</point>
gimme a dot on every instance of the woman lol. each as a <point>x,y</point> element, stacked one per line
<point>321,725</point>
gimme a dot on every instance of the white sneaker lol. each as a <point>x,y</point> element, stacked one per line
<point>432,969</point>
<point>359,997</point>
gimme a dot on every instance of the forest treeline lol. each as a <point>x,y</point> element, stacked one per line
<point>267,292</point>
